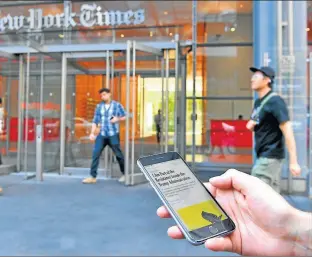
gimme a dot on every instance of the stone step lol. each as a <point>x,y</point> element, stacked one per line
<point>7,169</point>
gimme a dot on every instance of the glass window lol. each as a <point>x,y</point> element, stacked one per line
<point>224,21</point>
<point>223,105</point>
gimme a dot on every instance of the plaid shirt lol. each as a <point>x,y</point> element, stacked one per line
<point>102,116</point>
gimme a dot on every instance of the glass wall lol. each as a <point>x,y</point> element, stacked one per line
<point>223,105</point>
<point>224,21</point>
<point>41,106</point>
<point>9,72</point>
<point>224,98</point>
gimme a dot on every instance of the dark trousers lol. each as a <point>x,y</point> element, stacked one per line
<point>158,131</point>
<point>100,143</point>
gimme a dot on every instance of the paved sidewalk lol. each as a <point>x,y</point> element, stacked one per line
<point>60,216</point>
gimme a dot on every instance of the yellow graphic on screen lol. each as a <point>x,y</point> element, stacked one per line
<point>201,215</point>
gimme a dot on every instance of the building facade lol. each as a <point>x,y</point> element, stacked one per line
<point>55,56</point>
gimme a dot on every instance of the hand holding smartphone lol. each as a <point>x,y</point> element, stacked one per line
<point>196,212</point>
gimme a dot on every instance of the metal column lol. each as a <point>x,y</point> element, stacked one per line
<point>133,99</point>
<point>194,50</point>
<point>177,97</point>
<point>112,87</point>
<point>8,107</point>
<point>21,96</point>
<point>310,130</point>
<point>26,115</point>
<point>128,60</point>
<point>162,104</point>
<point>39,128</point>
<point>182,138</point>
<point>167,102</point>
<point>63,113</point>
<point>106,150</point>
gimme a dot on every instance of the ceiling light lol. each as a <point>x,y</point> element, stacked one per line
<point>122,35</point>
<point>233,29</point>
<point>307,29</point>
<point>151,33</point>
<point>241,6</point>
<point>165,12</point>
<point>170,34</point>
<point>61,35</point>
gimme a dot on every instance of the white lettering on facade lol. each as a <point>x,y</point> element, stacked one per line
<point>90,15</point>
<point>87,16</point>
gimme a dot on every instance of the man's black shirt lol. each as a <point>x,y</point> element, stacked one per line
<point>268,136</point>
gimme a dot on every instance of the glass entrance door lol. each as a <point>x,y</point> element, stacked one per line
<point>86,74</point>
<point>144,80</point>
<point>156,105</point>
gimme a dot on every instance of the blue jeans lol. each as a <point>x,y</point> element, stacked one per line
<point>114,143</point>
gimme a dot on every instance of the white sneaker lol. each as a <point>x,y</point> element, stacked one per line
<point>122,179</point>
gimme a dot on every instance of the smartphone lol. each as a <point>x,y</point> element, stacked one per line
<point>191,205</point>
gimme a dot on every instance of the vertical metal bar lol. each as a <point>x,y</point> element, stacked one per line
<point>194,45</point>
<point>8,107</point>
<point>63,113</point>
<point>106,153</point>
<point>167,101</point>
<point>41,91</point>
<point>310,128</point>
<point>20,111</point>
<point>176,93</point>
<point>133,111</point>
<point>26,114</point>
<point>279,44</point>
<point>128,60</point>
<point>183,109</point>
<point>162,103</point>
<point>291,97</point>
<point>40,142</point>
<point>112,87</point>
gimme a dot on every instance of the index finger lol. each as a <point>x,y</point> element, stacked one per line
<point>162,212</point>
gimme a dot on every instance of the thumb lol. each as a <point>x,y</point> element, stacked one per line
<point>222,244</point>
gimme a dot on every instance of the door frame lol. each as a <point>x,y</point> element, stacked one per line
<point>67,59</point>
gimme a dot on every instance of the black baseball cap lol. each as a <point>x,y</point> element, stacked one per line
<point>266,71</point>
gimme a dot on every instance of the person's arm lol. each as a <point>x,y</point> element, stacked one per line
<point>300,231</point>
<point>288,133</point>
<point>251,125</point>
<point>280,112</point>
<point>96,119</point>
<point>252,121</point>
<point>121,113</point>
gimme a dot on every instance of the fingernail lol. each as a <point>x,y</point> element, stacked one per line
<point>212,179</point>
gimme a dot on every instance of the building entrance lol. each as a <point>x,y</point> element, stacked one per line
<point>61,93</point>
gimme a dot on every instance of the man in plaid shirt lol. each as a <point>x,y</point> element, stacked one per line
<point>108,114</point>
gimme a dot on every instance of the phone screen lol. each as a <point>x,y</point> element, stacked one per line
<point>199,212</point>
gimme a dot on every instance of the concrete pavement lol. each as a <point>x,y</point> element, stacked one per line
<point>60,216</point>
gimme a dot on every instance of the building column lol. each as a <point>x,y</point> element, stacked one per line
<point>264,33</point>
<point>293,85</point>
<point>298,94</point>
<point>264,37</point>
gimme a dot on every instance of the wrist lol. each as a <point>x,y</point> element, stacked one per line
<point>300,232</point>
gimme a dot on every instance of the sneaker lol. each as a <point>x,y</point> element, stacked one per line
<point>90,180</point>
<point>122,179</point>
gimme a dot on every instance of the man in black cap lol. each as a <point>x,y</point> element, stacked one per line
<point>272,127</point>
